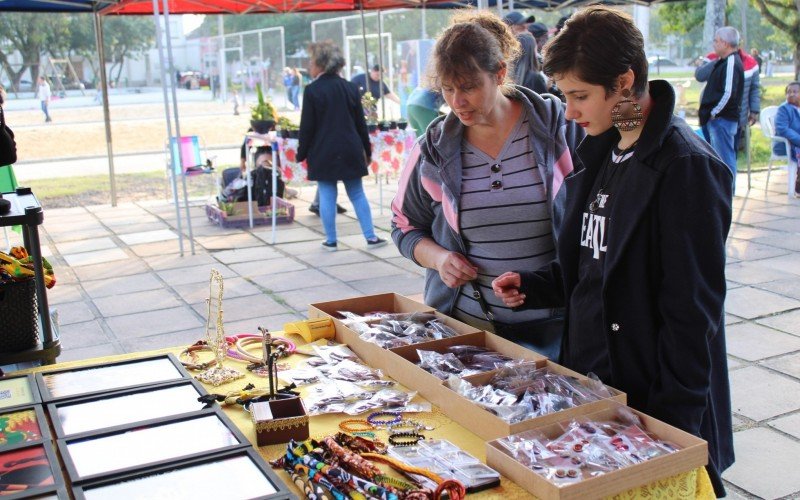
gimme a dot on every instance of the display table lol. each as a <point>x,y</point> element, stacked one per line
<point>694,484</point>
<point>389,151</point>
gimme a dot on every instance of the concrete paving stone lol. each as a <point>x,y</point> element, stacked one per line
<point>741,232</point>
<point>154,322</point>
<point>786,287</point>
<point>273,266</point>
<point>129,303</point>
<point>303,248</point>
<point>788,264</point>
<point>175,261</point>
<point>754,342</point>
<point>89,352</point>
<point>782,210</point>
<point>62,293</point>
<point>123,221</point>
<point>228,242</point>
<point>354,272</point>
<point>287,234</point>
<point>123,285</point>
<point>753,391</point>
<point>274,322</point>
<point>788,225</point>
<point>750,273</point>
<point>747,250</point>
<point>730,319</point>
<point>67,212</point>
<point>140,228</point>
<point>749,303</point>
<point>247,254</point>
<point>121,210</point>
<point>87,245</point>
<point>349,228</point>
<point>207,228</point>
<point>195,274</point>
<point>87,333</point>
<point>73,312</point>
<point>293,280</point>
<point>789,424</point>
<point>62,235</point>
<point>407,265</point>
<point>95,257</point>
<point>324,259</point>
<point>148,237</point>
<point>753,217</point>
<point>195,293</point>
<point>765,460</point>
<point>239,308</point>
<point>734,364</point>
<point>64,274</point>
<point>178,340</point>
<point>788,364</point>
<point>164,248</point>
<point>788,322</point>
<point>787,241</point>
<point>300,299</point>
<point>404,284</point>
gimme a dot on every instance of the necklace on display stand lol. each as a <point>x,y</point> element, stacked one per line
<point>217,374</point>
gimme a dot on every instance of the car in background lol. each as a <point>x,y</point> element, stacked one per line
<point>194,80</point>
<point>660,62</point>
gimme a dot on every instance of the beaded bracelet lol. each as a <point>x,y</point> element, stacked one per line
<point>399,439</point>
<point>356,425</point>
<point>405,426</point>
<point>375,418</point>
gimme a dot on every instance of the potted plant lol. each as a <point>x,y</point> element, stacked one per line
<point>402,123</point>
<point>287,129</point>
<point>263,115</point>
<point>370,105</point>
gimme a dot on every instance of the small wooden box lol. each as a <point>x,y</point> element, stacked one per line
<point>279,421</point>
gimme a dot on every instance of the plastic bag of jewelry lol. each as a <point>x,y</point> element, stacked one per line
<point>334,398</point>
<point>382,338</point>
<point>543,403</point>
<point>519,378</point>
<point>316,361</point>
<point>333,354</point>
<point>354,372</point>
<point>392,399</point>
<point>501,403</point>
<point>527,447</point>
<point>439,330</point>
<point>440,365</point>
<point>300,376</point>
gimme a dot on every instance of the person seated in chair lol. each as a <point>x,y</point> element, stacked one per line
<point>787,125</point>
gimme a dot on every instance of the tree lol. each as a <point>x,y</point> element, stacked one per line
<point>784,15</point>
<point>29,34</point>
<point>126,37</point>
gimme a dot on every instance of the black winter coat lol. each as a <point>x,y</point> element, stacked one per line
<point>333,132</point>
<point>663,286</point>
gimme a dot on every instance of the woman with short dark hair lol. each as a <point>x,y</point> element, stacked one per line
<point>334,140</point>
<point>641,253</point>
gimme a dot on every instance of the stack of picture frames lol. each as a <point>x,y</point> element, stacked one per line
<point>128,429</point>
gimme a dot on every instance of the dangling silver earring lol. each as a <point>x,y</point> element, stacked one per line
<point>633,120</point>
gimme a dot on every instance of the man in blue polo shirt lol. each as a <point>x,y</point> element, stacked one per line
<point>374,85</point>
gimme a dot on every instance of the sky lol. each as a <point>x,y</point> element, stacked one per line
<point>192,22</point>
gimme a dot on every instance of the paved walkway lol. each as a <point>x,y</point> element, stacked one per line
<point>122,287</point>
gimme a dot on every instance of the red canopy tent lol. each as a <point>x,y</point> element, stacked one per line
<point>271,6</point>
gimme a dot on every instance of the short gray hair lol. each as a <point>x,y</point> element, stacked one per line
<point>728,35</point>
<point>327,56</point>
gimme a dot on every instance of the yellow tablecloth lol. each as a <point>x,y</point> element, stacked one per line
<point>691,485</point>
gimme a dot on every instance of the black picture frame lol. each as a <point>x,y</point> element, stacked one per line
<point>54,469</point>
<point>54,408</point>
<point>169,428</point>
<point>84,379</point>
<point>41,424</point>
<point>59,493</point>
<point>282,492</point>
<point>27,391</point>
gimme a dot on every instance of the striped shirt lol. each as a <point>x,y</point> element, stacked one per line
<point>505,222</point>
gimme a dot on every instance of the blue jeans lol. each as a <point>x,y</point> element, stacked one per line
<point>721,132</point>
<point>44,110</point>
<point>327,207</point>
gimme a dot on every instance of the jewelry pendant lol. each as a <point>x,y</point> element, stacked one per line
<point>593,206</point>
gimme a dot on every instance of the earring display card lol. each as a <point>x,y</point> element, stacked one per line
<point>22,427</point>
<point>29,471</point>
<point>84,381</point>
<point>245,474</point>
<point>97,413</point>
<point>16,391</point>
<point>157,442</point>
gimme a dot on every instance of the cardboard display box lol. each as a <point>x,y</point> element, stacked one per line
<point>279,421</point>
<point>693,453</point>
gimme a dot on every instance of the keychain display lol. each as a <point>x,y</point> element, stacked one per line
<point>586,448</point>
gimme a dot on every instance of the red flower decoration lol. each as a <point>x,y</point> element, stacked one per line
<point>388,139</point>
<point>386,156</point>
<point>287,173</point>
<point>291,155</point>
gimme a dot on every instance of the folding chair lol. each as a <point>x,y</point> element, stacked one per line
<point>189,158</point>
<point>767,120</point>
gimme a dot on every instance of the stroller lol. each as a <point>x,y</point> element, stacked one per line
<point>233,187</point>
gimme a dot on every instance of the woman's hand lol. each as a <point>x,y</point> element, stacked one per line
<point>455,270</point>
<point>506,288</point>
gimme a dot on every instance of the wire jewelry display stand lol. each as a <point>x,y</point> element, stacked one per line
<point>217,374</point>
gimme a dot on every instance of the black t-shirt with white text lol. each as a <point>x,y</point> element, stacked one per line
<point>587,349</point>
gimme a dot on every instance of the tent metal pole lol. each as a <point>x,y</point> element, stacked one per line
<point>173,86</point>
<point>364,37</point>
<point>380,66</point>
<point>98,37</point>
<point>170,149</point>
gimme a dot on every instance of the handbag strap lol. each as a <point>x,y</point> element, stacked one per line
<point>477,295</point>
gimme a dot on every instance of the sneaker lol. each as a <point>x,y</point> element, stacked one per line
<point>331,247</point>
<point>340,209</point>
<point>376,242</point>
<point>314,209</point>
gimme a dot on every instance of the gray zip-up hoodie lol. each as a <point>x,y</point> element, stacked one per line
<point>428,197</point>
